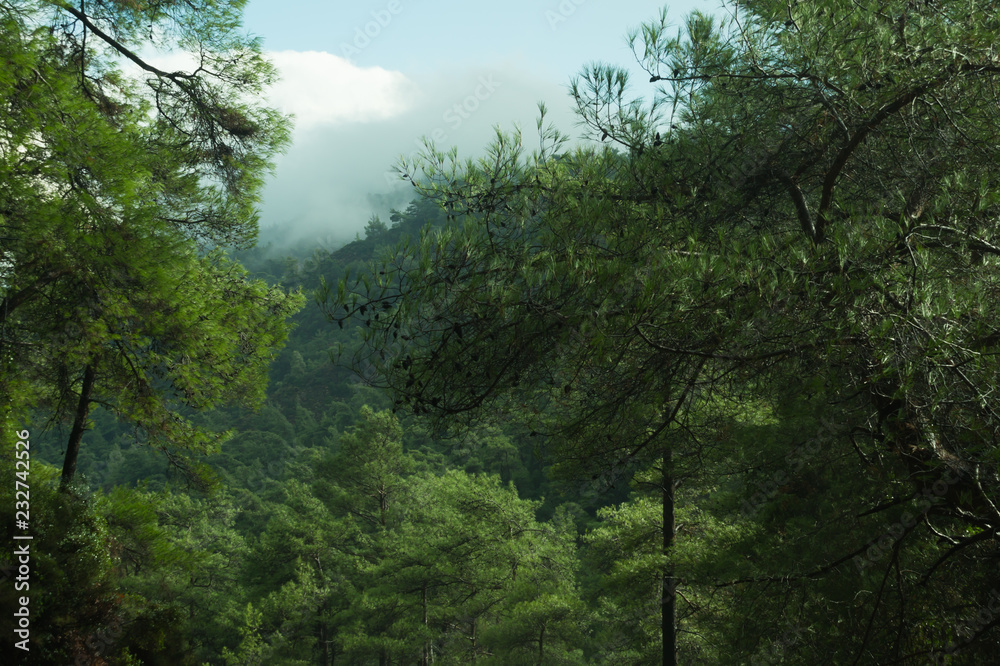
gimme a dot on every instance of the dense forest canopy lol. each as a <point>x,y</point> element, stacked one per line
<point>713,387</point>
<point>800,222</point>
<point>119,194</point>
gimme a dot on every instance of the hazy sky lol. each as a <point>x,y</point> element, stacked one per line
<point>366,80</point>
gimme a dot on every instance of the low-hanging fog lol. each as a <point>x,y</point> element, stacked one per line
<point>367,82</point>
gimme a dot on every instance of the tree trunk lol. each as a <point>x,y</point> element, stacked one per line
<point>324,646</point>
<point>473,640</point>
<point>79,426</point>
<point>427,659</point>
<point>669,600</point>
<point>933,469</point>
<point>383,503</point>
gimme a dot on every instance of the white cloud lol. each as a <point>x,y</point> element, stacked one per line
<point>324,89</point>
<point>320,88</point>
<point>331,180</point>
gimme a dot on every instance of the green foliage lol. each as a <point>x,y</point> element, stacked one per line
<point>627,549</point>
<point>812,194</point>
<point>375,229</point>
<point>79,610</point>
<point>760,311</point>
<point>370,465</point>
<point>362,558</point>
<point>117,194</point>
<point>249,653</point>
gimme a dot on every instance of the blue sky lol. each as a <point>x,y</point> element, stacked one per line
<point>366,80</point>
